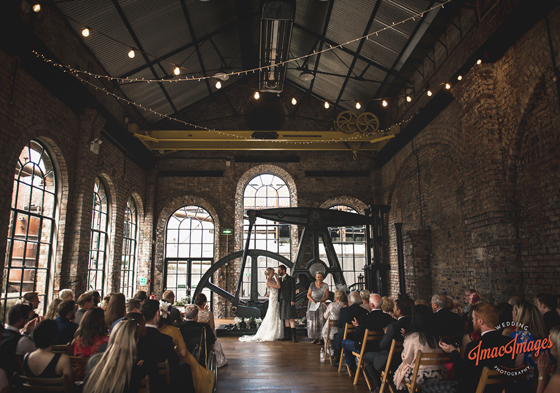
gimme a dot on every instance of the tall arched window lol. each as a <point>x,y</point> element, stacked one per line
<point>99,238</point>
<point>189,250</point>
<point>128,266</point>
<point>265,191</point>
<point>350,246</point>
<point>32,226</point>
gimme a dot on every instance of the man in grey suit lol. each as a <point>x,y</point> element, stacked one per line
<point>287,299</point>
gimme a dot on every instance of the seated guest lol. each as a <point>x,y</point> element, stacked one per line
<point>206,316</point>
<point>364,294</point>
<point>96,298</point>
<point>66,294</point>
<point>18,318</point>
<point>552,384</point>
<point>158,347</point>
<point>44,363</point>
<point>547,304</point>
<point>191,329</point>
<point>333,312</point>
<point>531,327</point>
<point>132,306</point>
<point>116,370</point>
<point>447,323</point>
<point>387,305</point>
<point>116,308</point>
<point>32,299</point>
<point>485,318</point>
<point>142,296</point>
<point>52,311</point>
<point>169,297</point>
<point>165,326</point>
<point>91,333</point>
<point>375,321</point>
<point>66,328</point>
<point>515,300</point>
<point>85,302</point>
<point>354,311</point>
<point>505,318</point>
<point>421,335</point>
<point>375,362</point>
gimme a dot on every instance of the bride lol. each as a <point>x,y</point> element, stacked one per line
<point>271,328</point>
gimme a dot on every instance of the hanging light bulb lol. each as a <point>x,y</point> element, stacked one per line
<point>131,54</point>
<point>429,93</point>
<point>257,95</point>
<point>177,71</point>
<point>294,101</point>
<point>459,77</point>
<point>358,105</point>
<point>447,86</point>
<point>218,85</point>
<point>479,62</point>
<point>85,32</point>
<point>384,103</point>
<point>408,98</point>
<point>327,105</point>
<point>36,7</point>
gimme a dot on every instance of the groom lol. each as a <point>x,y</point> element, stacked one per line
<point>287,299</point>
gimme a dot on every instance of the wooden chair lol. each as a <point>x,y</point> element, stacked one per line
<point>163,369</point>
<point>144,385</point>
<point>330,324</point>
<point>44,384</point>
<point>426,359</point>
<point>64,348</point>
<point>368,337</point>
<point>349,328</point>
<point>78,364</point>
<point>387,375</point>
<point>495,377</point>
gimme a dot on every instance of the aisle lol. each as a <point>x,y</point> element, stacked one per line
<point>278,366</point>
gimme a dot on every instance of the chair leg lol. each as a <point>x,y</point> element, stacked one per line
<point>340,362</point>
<point>367,379</point>
<point>358,370</point>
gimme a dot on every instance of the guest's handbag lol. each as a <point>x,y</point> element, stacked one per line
<point>221,359</point>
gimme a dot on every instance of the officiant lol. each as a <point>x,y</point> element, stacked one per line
<point>317,295</point>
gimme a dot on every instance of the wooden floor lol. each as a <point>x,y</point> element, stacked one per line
<point>279,366</point>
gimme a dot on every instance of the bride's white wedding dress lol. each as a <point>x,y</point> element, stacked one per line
<point>271,327</point>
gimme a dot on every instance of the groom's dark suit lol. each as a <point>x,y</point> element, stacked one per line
<point>286,297</point>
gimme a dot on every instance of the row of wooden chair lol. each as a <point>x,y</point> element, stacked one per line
<point>488,377</point>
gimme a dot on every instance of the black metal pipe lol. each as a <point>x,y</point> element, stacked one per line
<point>400,257</point>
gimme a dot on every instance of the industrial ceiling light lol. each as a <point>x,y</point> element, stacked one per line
<point>327,105</point>
<point>459,77</point>
<point>131,54</point>
<point>177,71</point>
<point>429,93</point>
<point>218,85</point>
<point>358,105</point>
<point>85,32</point>
<point>384,103</point>
<point>306,75</point>
<point>257,95</point>
<point>221,76</point>
<point>277,20</point>
<point>447,86</point>
<point>294,101</point>
<point>408,98</point>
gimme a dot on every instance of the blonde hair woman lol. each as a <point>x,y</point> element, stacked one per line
<point>546,368</point>
<point>530,327</point>
<point>115,370</point>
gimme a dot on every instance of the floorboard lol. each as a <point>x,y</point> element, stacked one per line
<point>280,367</point>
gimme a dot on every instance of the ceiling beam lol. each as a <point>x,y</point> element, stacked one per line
<point>244,29</point>
<point>351,52</point>
<point>178,50</point>
<point>359,49</point>
<point>322,42</point>
<point>142,51</point>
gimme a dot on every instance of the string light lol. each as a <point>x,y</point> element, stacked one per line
<point>85,32</point>
<point>327,105</point>
<point>300,58</point>
<point>177,71</point>
<point>36,7</point>
<point>478,62</point>
<point>408,99</point>
<point>218,85</point>
<point>257,95</point>
<point>131,54</point>
<point>294,101</point>
<point>358,105</point>
<point>459,77</point>
<point>384,103</point>
<point>429,93</point>
<point>447,86</point>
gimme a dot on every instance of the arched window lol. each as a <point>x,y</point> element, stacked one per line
<point>128,266</point>
<point>32,225</point>
<point>350,246</point>
<point>189,250</point>
<point>265,191</point>
<point>99,238</point>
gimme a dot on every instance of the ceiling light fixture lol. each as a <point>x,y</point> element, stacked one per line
<point>277,21</point>
<point>447,86</point>
<point>177,71</point>
<point>218,85</point>
<point>221,76</point>
<point>408,99</point>
<point>257,95</point>
<point>479,62</point>
<point>294,101</point>
<point>131,54</point>
<point>429,93</point>
<point>327,105</point>
<point>85,32</point>
<point>358,105</point>
<point>36,7</point>
<point>384,103</point>
<point>459,77</point>
<point>306,75</point>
